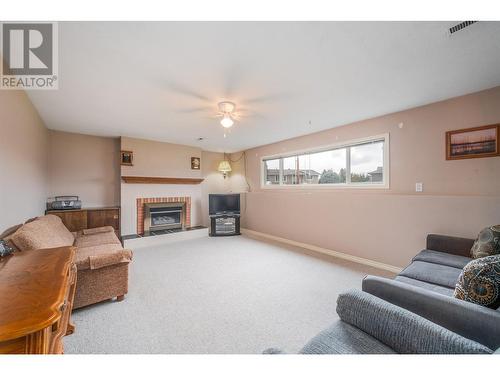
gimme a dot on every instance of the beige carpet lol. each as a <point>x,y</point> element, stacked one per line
<point>218,295</point>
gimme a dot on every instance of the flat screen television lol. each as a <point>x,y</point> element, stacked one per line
<point>223,204</point>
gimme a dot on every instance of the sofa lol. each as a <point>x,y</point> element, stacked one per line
<point>370,325</point>
<point>413,313</point>
<point>101,261</point>
<point>426,288</point>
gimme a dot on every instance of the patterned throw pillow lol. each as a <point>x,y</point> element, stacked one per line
<point>479,282</point>
<point>487,243</point>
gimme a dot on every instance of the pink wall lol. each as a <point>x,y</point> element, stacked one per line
<point>161,159</point>
<point>23,159</point>
<point>460,197</point>
<point>85,165</point>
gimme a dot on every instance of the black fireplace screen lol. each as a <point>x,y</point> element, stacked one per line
<point>165,216</point>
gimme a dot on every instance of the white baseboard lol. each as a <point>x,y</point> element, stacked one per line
<point>337,254</point>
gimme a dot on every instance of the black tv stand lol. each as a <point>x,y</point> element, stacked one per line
<point>225,224</point>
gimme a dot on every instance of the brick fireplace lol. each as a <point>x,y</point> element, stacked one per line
<point>141,209</point>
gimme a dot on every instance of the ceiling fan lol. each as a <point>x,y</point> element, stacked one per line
<point>227,112</point>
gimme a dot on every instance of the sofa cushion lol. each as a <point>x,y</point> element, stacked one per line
<point>343,338</point>
<point>448,244</point>
<point>428,286</point>
<point>432,273</point>
<point>479,282</point>
<point>44,232</point>
<point>400,329</point>
<point>92,257</point>
<point>438,257</point>
<point>487,243</point>
<point>97,239</point>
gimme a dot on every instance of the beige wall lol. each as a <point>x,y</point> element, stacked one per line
<point>152,158</point>
<point>460,197</point>
<point>84,165</point>
<point>23,159</point>
<point>213,182</point>
<point>160,159</point>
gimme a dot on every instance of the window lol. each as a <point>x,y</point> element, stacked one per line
<point>357,163</point>
<point>367,162</point>
<point>272,171</point>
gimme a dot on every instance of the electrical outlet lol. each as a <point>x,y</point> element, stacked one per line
<point>419,187</point>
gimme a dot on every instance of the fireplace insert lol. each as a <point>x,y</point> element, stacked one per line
<point>160,216</point>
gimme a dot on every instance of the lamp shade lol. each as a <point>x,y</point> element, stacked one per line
<point>224,166</point>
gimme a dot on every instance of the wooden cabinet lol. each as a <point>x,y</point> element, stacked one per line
<point>37,289</point>
<point>86,218</point>
<point>74,220</point>
<point>102,218</point>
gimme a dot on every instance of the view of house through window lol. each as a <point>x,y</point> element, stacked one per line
<point>367,162</point>
<point>359,163</point>
<point>272,168</point>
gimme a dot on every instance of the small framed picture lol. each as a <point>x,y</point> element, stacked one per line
<point>127,157</point>
<point>479,142</point>
<point>195,163</point>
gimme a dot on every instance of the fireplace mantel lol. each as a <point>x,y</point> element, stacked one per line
<point>161,180</point>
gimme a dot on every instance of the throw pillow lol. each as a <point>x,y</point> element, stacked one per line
<point>487,243</point>
<point>479,282</point>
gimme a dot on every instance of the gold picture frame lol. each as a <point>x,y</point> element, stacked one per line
<point>195,163</point>
<point>127,158</point>
<point>477,142</point>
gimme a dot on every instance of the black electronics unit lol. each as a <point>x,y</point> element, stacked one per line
<point>224,211</point>
<point>219,204</point>
<point>64,202</point>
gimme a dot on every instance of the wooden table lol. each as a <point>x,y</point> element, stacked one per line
<point>37,288</point>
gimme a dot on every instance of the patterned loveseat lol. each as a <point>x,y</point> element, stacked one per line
<point>101,261</point>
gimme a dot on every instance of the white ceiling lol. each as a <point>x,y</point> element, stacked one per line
<point>162,80</point>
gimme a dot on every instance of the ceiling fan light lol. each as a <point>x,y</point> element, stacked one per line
<point>227,121</point>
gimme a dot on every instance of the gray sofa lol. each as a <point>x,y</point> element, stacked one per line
<point>370,325</point>
<point>413,313</point>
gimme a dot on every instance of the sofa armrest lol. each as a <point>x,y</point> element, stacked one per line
<point>104,260</point>
<point>448,244</point>
<point>469,320</point>
<point>400,329</point>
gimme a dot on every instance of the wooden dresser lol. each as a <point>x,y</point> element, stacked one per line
<point>37,288</point>
<point>87,218</point>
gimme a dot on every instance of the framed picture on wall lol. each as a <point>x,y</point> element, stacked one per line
<point>195,163</point>
<point>478,142</point>
<point>126,157</point>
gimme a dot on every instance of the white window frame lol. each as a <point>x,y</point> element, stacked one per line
<point>348,184</point>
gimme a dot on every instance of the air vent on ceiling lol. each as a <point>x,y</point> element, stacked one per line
<point>460,26</point>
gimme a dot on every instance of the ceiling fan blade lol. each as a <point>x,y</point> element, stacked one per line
<point>266,98</point>
<point>183,90</point>
<point>194,110</point>
<point>244,113</point>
